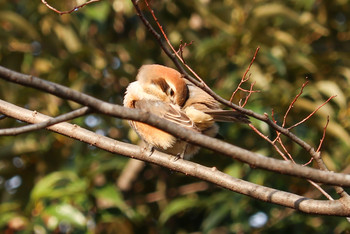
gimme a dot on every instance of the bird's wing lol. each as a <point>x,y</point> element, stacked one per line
<point>202,101</point>
<point>167,111</point>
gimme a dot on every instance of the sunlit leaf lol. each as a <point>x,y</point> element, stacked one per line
<point>330,88</point>
<point>67,213</point>
<point>67,35</point>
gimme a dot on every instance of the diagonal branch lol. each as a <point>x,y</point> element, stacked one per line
<point>339,207</point>
<point>253,159</point>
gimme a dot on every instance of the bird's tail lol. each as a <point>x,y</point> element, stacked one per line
<point>228,116</point>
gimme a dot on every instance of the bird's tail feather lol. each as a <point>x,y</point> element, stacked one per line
<point>228,116</point>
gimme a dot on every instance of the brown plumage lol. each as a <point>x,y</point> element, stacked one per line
<point>164,92</point>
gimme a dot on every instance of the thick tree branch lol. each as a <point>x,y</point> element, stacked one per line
<point>253,159</point>
<point>339,207</point>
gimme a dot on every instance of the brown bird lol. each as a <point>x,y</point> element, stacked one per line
<point>164,92</point>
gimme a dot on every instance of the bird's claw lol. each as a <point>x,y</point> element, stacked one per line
<point>147,150</point>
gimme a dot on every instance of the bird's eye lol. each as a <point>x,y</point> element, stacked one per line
<point>170,92</point>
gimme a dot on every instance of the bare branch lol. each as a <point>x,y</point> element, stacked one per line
<point>310,206</point>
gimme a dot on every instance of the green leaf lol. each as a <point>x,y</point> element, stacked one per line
<point>98,12</point>
<point>112,195</point>
<point>68,213</point>
<point>58,184</point>
<point>177,206</point>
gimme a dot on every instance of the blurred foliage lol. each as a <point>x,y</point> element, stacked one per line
<point>50,183</point>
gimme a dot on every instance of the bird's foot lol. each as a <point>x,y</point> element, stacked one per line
<point>147,150</point>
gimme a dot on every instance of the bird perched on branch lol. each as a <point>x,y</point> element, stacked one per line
<point>164,92</point>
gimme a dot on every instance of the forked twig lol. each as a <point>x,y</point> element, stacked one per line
<point>273,143</point>
<point>245,79</point>
<point>312,113</point>
<point>292,103</point>
<point>182,46</point>
<point>266,138</point>
<point>70,11</point>
<point>250,91</point>
<point>279,140</point>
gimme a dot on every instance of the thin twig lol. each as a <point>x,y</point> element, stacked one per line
<point>279,140</point>
<point>244,77</point>
<point>307,163</point>
<point>182,46</point>
<point>70,11</point>
<point>273,143</point>
<point>319,188</point>
<point>312,113</point>
<point>323,136</point>
<point>250,91</point>
<point>61,118</point>
<point>269,141</point>
<point>293,102</point>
